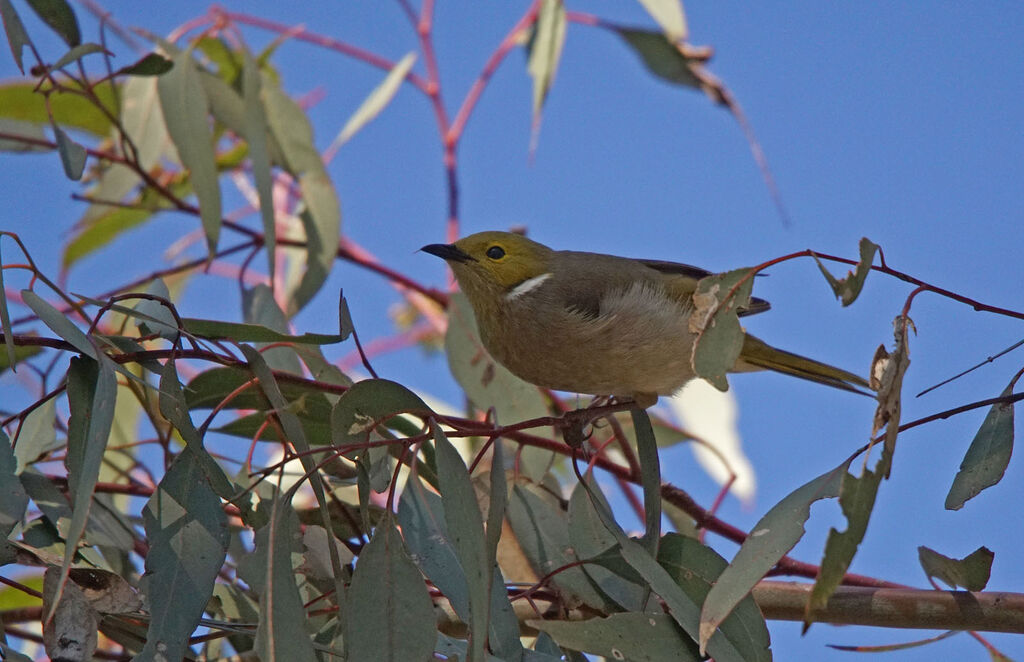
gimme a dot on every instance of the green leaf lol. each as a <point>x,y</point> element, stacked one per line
<point>185,109</point>
<point>259,155</point>
<point>151,64</point>
<point>19,101</point>
<point>987,457</point>
<point>281,635</point>
<point>5,323</point>
<point>391,616</point>
<point>770,539</point>
<point>650,475</point>
<point>624,636</point>
<point>188,534</point>
<point>369,403</point>
<point>662,58</point>
<point>545,51</point>
<point>489,384</point>
<point>541,528</point>
<point>260,308</point>
<point>681,601</point>
<point>848,288</point>
<point>72,155</point>
<point>421,514</point>
<point>59,324</point>
<point>37,434</point>
<point>971,572</point>
<point>669,15</point>
<point>590,539</point>
<point>92,396</point>
<point>322,216</point>
<point>218,330</point>
<point>13,498</point>
<point>58,15</point>
<point>857,499</point>
<point>379,98</point>
<point>697,568</point>
<point>715,318</point>
<point>295,434</point>
<point>17,37</point>
<point>462,515</point>
<point>77,53</point>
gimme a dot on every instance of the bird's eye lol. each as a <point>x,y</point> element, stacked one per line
<point>495,252</point>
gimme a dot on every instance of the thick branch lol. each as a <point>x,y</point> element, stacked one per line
<point>896,607</point>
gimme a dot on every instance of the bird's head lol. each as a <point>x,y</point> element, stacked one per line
<point>490,265</point>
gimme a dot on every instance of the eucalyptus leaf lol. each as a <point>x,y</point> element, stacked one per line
<point>770,539</point>
<point>715,318</point>
<point>848,288</point>
<point>185,109</point>
<point>624,636</point>
<point>13,498</point>
<point>391,616</point>
<point>17,37</point>
<point>462,515</point>
<point>281,635</point>
<point>987,457</point>
<point>971,572</point>
<point>60,17</point>
<point>188,533</point>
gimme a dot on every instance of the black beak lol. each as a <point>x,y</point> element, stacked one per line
<point>448,252</point>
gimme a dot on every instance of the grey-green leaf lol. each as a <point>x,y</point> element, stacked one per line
<point>13,498</point>
<point>58,323</point>
<point>715,318</point>
<point>774,534</point>
<point>624,636</point>
<point>391,616</point>
<point>59,16</point>
<point>971,572</point>
<point>369,403</point>
<point>322,216</point>
<point>987,457</point>
<point>5,320</point>
<point>697,568</point>
<point>219,330</point>
<point>259,154</point>
<point>72,155</point>
<point>379,98</point>
<point>77,53</point>
<point>281,635</point>
<point>185,109</point>
<point>661,57</point>
<point>542,531</point>
<point>17,37</point>
<point>462,515</point>
<point>188,534</point>
<point>848,288</point>
<point>151,64</point>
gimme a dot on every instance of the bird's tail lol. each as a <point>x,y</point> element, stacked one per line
<point>758,354</point>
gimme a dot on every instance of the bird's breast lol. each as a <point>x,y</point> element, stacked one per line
<point>636,342</point>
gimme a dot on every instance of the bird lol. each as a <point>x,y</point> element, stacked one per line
<point>599,324</point>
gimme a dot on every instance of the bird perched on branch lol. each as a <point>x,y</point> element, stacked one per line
<point>599,324</point>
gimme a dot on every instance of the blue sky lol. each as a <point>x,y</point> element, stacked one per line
<point>901,123</point>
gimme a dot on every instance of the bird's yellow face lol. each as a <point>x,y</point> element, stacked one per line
<point>488,265</point>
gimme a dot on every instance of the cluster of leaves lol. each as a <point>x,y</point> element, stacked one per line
<point>365,534</point>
